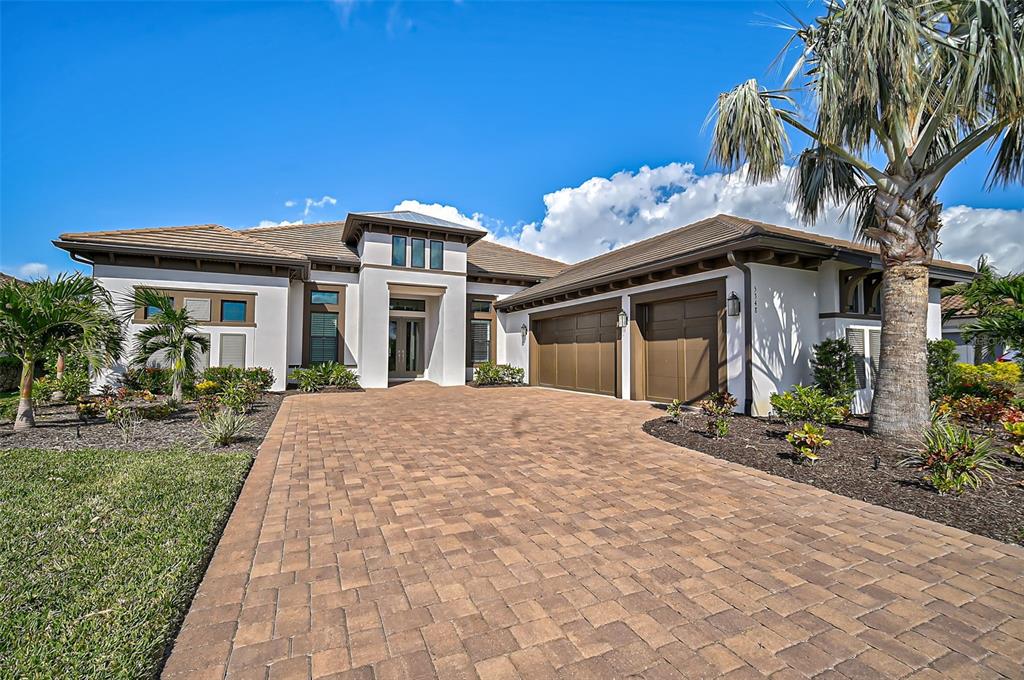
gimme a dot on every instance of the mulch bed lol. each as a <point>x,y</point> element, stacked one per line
<point>58,428</point>
<point>858,466</point>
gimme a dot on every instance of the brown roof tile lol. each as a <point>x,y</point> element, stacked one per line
<point>320,240</point>
<point>490,258</point>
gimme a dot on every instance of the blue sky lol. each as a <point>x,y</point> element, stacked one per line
<point>128,115</point>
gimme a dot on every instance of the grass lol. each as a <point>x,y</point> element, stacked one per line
<point>100,553</point>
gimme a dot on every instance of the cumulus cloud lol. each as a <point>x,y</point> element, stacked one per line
<point>968,232</point>
<point>272,223</point>
<point>290,204</point>
<point>444,212</point>
<point>314,203</point>
<point>33,270</point>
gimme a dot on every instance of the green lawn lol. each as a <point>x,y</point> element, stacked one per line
<point>100,553</point>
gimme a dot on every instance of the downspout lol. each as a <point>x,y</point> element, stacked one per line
<point>748,333</point>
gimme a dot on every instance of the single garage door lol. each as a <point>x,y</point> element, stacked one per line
<point>577,351</point>
<point>681,344</point>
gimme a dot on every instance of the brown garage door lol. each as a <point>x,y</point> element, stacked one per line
<point>681,343</point>
<point>577,351</point>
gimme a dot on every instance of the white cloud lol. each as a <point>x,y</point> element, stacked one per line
<point>313,203</point>
<point>290,204</point>
<point>444,212</point>
<point>33,270</point>
<point>272,223</point>
<point>968,232</point>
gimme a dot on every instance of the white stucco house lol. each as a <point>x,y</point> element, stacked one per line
<point>724,303</point>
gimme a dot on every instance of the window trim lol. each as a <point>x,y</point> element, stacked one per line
<point>220,348</point>
<point>309,307</point>
<point>440,244</point>
<point>471,316</point>
<point>396,249</point>
<point>215,297</point>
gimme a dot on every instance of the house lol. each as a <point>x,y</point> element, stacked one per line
<point>724,303</point>
<point>957,313</point>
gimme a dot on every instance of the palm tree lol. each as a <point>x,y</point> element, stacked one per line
<point>170,338</point>
<point>56,315</point>
<point>1001,313</point>
<point>899,93</point>
<point>977,298</point>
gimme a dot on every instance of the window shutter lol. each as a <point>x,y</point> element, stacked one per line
<point>204,357</point>
<point>323,337</point>
<point>232,350</point>
<point>480,336</point>
<point>875,346</point>
<point>855,336</point>
<point>198,308</point>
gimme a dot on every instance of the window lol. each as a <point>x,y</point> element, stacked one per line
<point>867,348</point>
<point>398,251</point>
<point>198,308</point>
<point>323,337</point>
<point>153,311</point>
<point>204,358</point>
<point>480,341</point>
<point>480,306</point>
<point>855,336</point>
<point>400,305</point>
<point>418,253</point>
<point>323,297</point>
<point>437,254</point>
<point>232,310</point>
<point>232,350</point>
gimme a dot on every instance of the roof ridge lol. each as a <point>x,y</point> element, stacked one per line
<point>293,225</point>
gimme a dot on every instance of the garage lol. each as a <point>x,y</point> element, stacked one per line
<point>680,337</point>
<point>576,350</point>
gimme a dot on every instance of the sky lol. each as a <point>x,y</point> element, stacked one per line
<point>566,129</point>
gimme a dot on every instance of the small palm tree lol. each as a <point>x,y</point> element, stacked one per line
<point>1001,313</point>
<point>70,312</point>
<point>171,338</point>
<point>918,85</point>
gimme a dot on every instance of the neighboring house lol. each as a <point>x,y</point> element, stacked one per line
<point>956,313</point>
<point>724,303</point>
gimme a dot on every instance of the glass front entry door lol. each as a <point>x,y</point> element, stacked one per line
<point>405,348</point>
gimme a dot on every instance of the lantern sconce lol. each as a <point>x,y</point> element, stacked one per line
<point>622,320</point>
<point>733,304</point>
<point>524,332</point>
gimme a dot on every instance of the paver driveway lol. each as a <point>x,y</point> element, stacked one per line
<point>505,533</point>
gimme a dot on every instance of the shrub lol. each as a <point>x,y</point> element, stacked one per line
<point>88,409</point>
<point>10,374</point>
<point>953,459</point>
<point>835,368</point>
<point>1015,429</point>
<point>239,395</point>
<point>942,373</point>
<point>674,410</point>
<point>9,407</point>
<point>490,373</point>
<point>127,420</point>
<point>807,441</point>
<point>330,374</point>
<point>206,387</point>
<point>157,411</point>
<point>207,408</point>
<point>996,380</point>
<point>977,409</point>
<point>263,378</point>
<point>42,390</point>
<point>809,404</point>
<point>156,380</point>
<point>73,384</point>
<point>225,427</point>
<point>717,408</point>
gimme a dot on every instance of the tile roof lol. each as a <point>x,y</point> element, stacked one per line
<point>211,239</point>
<point>692,238</point>
<point>954,306</point>
<point>488,257</point>
<point>420,218</point>
<point>320,240</point>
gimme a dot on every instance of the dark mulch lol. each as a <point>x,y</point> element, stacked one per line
<point>58,428</point>
<point>858,466</point>
<point>483,387</point>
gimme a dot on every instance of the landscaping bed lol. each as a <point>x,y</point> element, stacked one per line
<point>59,427</point>
<point>101,551</point>
<point>858,466</point>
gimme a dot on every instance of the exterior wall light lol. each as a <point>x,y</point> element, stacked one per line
<point>733,304</point>
<point>623,320</point>
<point>524,332</point>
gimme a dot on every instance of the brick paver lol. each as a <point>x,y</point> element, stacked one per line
<point>424,532</point>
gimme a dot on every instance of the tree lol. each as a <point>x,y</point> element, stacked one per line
<point>978,299</point>
<point>1002,318</point>
<point>835,368</point>
<point>171,338</point>
<point>70,312</point>
<point>919,85</point>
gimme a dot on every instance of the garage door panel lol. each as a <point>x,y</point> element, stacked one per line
<point>577,351</point>
<point>680,349</point>
<point>706,306</point>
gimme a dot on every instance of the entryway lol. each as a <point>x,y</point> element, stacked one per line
<point>405,348</point>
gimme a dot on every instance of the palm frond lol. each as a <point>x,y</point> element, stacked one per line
<point>748,130</point>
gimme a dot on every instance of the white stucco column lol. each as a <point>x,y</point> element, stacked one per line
<point>626,370</point>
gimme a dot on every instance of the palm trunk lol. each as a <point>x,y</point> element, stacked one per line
<point>899,411</point>
<point>58,394</point>
<point>26,417</point>
<point>907,234</point>
<point>177,390</point>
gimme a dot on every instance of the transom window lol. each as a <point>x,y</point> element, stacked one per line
<point>398,251</point>
<point>480,306</point>
<point>232,310</point>
<point>437,254</point>
<point>323,297</point>
<point>404,305</point>
<point>418,253</point>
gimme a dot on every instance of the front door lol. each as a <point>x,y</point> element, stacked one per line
<point>405,348</point>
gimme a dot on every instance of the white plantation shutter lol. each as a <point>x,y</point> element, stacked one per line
<point>204,357</point>
<point>855,336</point>
<point>232,350</point>
<point>480,336</point>
<point>875,347</point>
<point>323,337</point>
<point>198,308</point>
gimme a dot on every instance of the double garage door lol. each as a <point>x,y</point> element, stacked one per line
<point>676,350</point>
<point>578,351</point>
